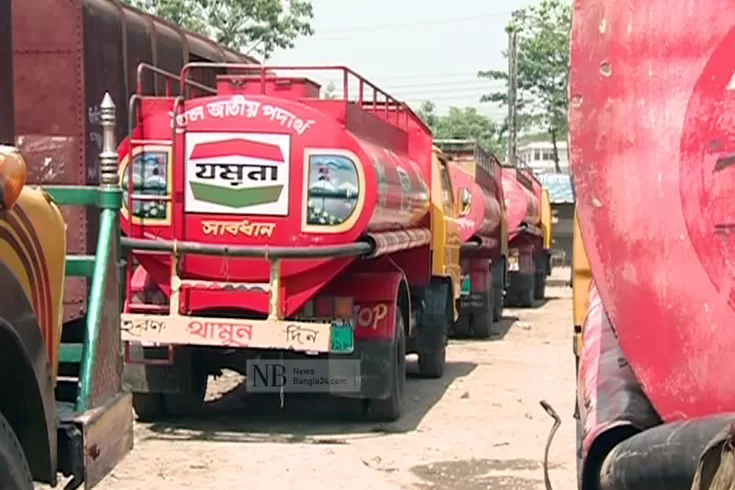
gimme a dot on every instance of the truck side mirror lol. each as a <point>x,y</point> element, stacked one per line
<point>465,201</point>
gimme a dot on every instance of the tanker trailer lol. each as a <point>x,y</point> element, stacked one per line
<point>529,236</point>
<point>652,131</point>
<point>476,176</point>
<point>270,223</point>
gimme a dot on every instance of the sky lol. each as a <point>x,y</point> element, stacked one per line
<point>413,49</point>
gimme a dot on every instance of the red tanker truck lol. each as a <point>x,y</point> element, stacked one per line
<point>529,236</point>
<point>267,222</point>
<point>652,134</point>
<point>477,176</point>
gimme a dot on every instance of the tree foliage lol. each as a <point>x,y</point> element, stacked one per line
<point>330,92</point>
<point>542,68</point>
<point>257,26</point>
<point>462,123</point>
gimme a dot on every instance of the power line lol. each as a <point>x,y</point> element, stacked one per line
<point>421,23</point>
<point>435,75</point>
<point>479,83</point>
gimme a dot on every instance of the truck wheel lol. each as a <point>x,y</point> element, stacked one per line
<point>498,273</point>
<point>390,409</point>
<point>461,328</point>
<point>437,317</point>
<point>482,320</point>
<point>539,289</point>
<point>14,471</point>
<point>431,364</point>
<point>192,386</point>
<point>149,406</point>
<point>526,296</point>
<point>579,454</point>
<point>497,304</point>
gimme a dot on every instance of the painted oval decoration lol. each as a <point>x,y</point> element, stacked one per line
<point>652,132</point>
<point>484,214</point>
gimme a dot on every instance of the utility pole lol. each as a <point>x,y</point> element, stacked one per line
<point>512,95</point>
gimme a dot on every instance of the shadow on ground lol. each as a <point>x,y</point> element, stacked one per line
<point>479,474</point>
<point>238,416</point>
<point>498,332</point>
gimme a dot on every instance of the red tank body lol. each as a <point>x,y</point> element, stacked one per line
<point>479,172</point>
<point>484,215</point>
<point>666,283</point>
<point>522,197</point>
<point>235,140</point>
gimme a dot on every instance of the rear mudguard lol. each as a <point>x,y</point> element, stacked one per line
<point>378,297</point>
<point>611,403</point>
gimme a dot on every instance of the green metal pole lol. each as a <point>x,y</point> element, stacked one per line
<point>108,248</point>
<point>108,223</point>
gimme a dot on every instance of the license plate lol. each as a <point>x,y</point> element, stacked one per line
<point>466,286</point>
<point>342,340</point>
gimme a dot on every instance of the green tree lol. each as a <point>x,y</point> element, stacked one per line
<point>330,92</point>
<point>259,26</point>
<point>542,68</point>
<point>462,123</point>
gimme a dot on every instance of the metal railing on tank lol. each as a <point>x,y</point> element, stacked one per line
<point>171,82</point>
<point>369,97</point>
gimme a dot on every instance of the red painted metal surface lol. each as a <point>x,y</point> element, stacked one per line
<point>652,133</point>
<point>485,213</point>
<point>608,394</point>
<point>521,203</point>
<point>252,169</point>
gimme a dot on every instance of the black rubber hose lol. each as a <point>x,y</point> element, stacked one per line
<point>664,457</point>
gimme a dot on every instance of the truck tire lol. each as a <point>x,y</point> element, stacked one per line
<point>14,471</point>
<point>462,327</point>
<point>390,409</point>
<point>539,287</point>
<point>579,453</point>
<point>437,317</point>
<point>498,273</point>
<point>149,407</point>
<point>431,364</point>
<point>192,386</point>
<point>482,319</point>
<point>526,296</point>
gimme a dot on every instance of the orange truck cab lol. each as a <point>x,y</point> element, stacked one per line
<point>477,177</point>
<point>61,395</point>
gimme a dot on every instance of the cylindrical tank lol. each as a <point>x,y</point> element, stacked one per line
<point>402,192</point>
<point>520,203</point>
<point>484,214</point>
<point>248,179</point>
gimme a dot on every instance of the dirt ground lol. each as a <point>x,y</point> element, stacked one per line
<point>479,427</point>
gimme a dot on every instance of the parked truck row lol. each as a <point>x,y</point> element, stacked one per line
<point>240,217</point>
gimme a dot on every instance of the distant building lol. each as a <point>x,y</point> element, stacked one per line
<point>539,156</point>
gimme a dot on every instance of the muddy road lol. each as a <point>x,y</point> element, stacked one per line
<point>479,427</point>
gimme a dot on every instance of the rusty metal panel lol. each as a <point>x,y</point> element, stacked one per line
<point>50,112</point>
<point>7,127</point>
<point>103,72</point>
<point>139,49</point>
<point>170,53</point>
